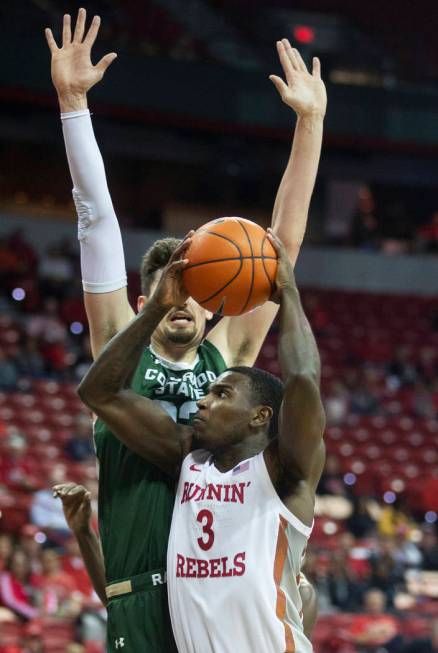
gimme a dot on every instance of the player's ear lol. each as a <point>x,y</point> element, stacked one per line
<point>141,301</point>
<point>262,415</point>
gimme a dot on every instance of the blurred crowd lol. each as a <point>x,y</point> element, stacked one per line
<point>374,563</point>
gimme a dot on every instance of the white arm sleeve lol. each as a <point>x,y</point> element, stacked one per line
<point>102,257</point>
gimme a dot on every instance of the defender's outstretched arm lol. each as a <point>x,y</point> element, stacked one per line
<point>239,339</point>
<point>102,257</point>
<point>140,423</point>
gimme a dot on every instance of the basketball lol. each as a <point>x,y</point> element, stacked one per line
<point>232,266</point>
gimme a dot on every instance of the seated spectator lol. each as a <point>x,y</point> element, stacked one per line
<point>80,446</point>
<point>427,644</point>
<point>375,631</point>
<point>30,542</point>
<point>401,370</point>
<point>360,523</point>
<point>46,511</point>
<point>8,372</point>
<point>396,518</point>
<point>336,403</point>
<point>33,638</point>
<point>29,360</point>
<point>6,548</point>
<point>16,469</point>
<point>18,586</point>
<point>429,549</point>
<point>60,597</point>
<point>344,588</point>
<point>332,479</point>
<point>364,400</point>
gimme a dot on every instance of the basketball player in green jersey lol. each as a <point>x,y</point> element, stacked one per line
<point>136,499</point>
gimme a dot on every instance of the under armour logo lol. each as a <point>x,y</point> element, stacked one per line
<point>119,643</point>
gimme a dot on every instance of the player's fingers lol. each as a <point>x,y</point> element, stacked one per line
<point>286,63</point>
<point>279,84</point>
<point>50,40</point>
<point>316,69</point>
<point>181,249</point>
<point>276,243</point>
<point>106,61</point>
<point>300,61</point>
<point>290,53</point>
<point>66,30</point>
<point>76,491</point>
<point>80,26</point>
<point>93,31</point>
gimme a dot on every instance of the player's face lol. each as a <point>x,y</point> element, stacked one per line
<point>224,414</point>
<point>183,325</point>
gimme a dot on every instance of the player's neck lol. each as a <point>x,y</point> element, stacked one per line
<point>228,459</point>
<point>174,352</point>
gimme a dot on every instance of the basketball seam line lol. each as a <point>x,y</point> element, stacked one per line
<point>213,233</point>
<point>252,267</point>
<point>232,258</point>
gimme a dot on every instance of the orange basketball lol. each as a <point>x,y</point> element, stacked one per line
<point>232,266</point>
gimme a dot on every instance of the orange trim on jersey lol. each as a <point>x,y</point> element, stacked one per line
<point>280,608</point>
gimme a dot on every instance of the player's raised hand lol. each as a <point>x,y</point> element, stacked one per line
<point>304,92</point>
<point>73,74</point>
<point>76,503</point>
<point>170,290</point>
<point>285,277</point>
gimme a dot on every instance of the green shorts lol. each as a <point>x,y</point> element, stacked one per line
<point>138,616</point>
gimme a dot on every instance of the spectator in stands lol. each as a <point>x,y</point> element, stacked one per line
<point>336,402</point>
<point>29,360</point>
<point>365,227</point>
<point>30,540</point>
<point>46,512</point>
<point>344,588</point>
<point>364,400</point>
<point>401,370</point>
<point>6,548</point>
<point>429,549</point>
<point>374,631</point>
<point>395,518</point>
<point>80,446</point>
<point>16,469</point>
<point>427,367</point>
<point>93,616</point>
<point>60,597</point>
<point>332,479</point>
<point>33,638</point>
<point>360,523</point>
<point>8,371</point>
<point>56,272</point>
<point>426,645</point>
<point>18,586</point>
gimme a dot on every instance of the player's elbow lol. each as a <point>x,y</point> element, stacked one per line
<point>91,394</point>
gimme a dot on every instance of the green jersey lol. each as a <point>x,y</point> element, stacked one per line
<point>135,497</point>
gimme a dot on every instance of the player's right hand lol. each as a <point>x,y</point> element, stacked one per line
<point>170,290</point>
<point>76,503</point>
<point>73,74</point>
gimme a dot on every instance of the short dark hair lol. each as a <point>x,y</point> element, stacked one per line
<point>266,390</point>
<point>156,258</point>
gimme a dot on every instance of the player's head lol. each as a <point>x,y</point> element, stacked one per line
<point>241,403</point>
<point>183,325</point>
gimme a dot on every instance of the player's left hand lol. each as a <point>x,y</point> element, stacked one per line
<point>170,290</point>
<point>285,277</point>
<point>304,92</point>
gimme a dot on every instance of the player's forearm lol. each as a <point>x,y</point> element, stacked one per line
<point>298,351</point>
<point>113,369</point>
<point>292,202</point>
<point>91,552</point>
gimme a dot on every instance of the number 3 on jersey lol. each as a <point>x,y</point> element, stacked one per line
<point>205,518</point>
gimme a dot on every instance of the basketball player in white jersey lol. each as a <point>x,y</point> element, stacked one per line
<point>248,470</point>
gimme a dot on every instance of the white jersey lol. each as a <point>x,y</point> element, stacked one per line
<point>233,562</point>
